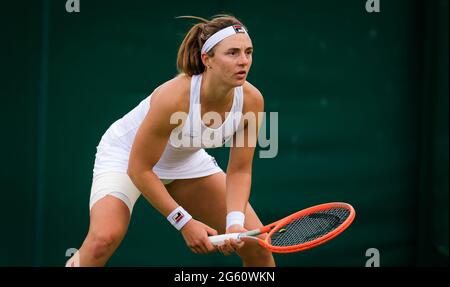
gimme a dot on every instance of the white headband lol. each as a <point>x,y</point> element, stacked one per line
<point>220,35</point>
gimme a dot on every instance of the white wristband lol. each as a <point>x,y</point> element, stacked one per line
<point>235,217</point>
<point>179,217</point>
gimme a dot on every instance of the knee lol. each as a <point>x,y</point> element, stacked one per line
<point>254,255</point>
<point>104,243</point>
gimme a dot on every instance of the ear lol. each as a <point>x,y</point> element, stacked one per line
<point>205,59</point>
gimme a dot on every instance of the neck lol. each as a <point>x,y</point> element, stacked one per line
<point>214,92</point>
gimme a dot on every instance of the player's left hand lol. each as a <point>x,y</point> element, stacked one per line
<point>231,245</point>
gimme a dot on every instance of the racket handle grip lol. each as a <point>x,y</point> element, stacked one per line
<point>219,239</point>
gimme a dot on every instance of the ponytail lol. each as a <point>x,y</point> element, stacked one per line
<point>189,59</point>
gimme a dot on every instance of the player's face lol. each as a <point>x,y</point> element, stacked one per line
<point>232,59</point>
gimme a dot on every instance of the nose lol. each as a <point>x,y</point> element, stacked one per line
<point>243,59</point>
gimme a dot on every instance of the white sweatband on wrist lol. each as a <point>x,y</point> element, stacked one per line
<point>235,217</point>
<point>220,35</point>
<point>179,217</point>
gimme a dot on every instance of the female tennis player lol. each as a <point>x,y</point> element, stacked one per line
<point>158,150</point>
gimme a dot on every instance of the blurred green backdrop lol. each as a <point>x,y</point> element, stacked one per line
<point>363,118</point>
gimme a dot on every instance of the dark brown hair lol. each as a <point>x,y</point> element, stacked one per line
<point>189,54</point>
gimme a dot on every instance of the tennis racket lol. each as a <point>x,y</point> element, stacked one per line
<point>302,230</point>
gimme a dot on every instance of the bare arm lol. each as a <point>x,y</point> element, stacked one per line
<point>239,171</point>
<point>149,144</point>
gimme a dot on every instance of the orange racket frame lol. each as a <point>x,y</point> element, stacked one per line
<point>275,226</point>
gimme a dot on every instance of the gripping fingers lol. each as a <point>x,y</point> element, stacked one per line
<point>194,249</point>
<point>206,247</point>
<point>200,248</point>
<point>223,249</point>
<point>209,246</point>
<point>203,247</point>
<point>228,247</point>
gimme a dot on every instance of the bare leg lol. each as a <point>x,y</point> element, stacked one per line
<point>108,225</point>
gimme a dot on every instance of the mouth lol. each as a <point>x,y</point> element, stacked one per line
<point>241,73</point>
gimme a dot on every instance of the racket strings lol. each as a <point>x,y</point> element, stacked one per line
<point>310,227</point>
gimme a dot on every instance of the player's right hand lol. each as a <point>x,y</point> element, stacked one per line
<point>196,233</point>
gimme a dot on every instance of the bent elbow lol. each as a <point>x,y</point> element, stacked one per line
<point>132,172</point>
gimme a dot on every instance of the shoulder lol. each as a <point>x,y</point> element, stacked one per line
<point>253,98</point>
<point>173,95</point>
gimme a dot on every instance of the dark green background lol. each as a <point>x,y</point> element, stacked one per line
<point>363,118</point>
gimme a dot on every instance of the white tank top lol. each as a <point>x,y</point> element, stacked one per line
<point>194,134</point>
<point>184,154</point>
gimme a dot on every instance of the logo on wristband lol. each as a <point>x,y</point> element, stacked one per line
<point>177,216</point>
